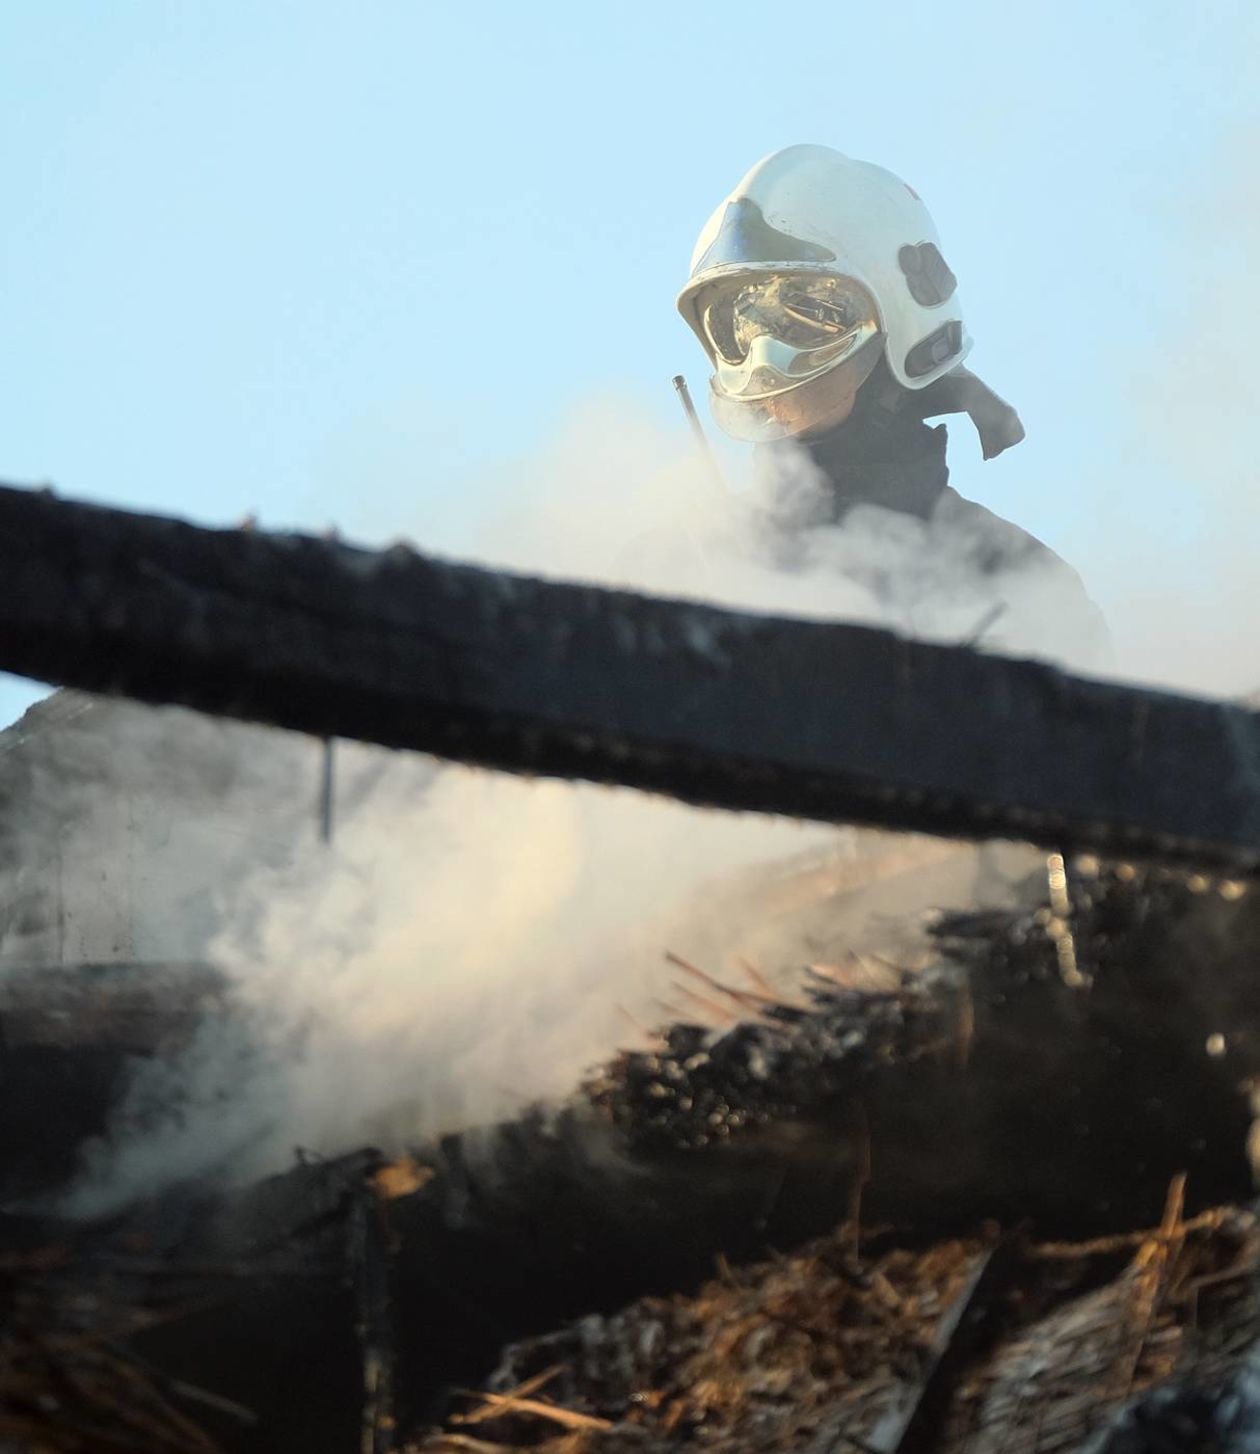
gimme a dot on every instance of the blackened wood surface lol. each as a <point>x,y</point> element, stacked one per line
<point>827,721</point>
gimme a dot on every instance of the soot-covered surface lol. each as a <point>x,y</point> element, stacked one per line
<point>969,1345</point>
<point>1057,1066</point>
<point>1052,1069</point>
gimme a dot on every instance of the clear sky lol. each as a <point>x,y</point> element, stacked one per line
<point>325,262</point>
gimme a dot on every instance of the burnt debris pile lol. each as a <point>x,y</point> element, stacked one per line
<point>891,1209</point>
<point>201,1322</point>
<point>1057,1064</point>
<point>963,1345</point>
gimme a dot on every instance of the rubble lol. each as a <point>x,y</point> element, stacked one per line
<point>1000,1121</point>
<point>762,1356</point>
<point>992,1081</point>
<point>925,1187</point>
<point>1006,1346</point>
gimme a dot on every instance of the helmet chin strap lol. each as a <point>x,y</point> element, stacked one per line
<point>960,392</point>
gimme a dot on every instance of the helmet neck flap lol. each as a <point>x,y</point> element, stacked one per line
<point>883,407</point>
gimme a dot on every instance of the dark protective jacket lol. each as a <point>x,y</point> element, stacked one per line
<point>874,501</point>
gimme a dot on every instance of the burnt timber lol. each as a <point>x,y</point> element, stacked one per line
<point>982,1099</point>
<point>835,722</point>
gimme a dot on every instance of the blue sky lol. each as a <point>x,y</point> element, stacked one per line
<point>324,262</point>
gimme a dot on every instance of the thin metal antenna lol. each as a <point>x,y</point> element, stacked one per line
<point>684,393</point>
<point>702,439</point>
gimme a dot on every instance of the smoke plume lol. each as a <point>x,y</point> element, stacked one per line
<point>470,942</point>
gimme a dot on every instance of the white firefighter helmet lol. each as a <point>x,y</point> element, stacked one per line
<point>813,268</point>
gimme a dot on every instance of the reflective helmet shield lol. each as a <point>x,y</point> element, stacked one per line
<point>818,318</point>
<point>768,334</point>
<point>811,211</point>
<point>811,407</point>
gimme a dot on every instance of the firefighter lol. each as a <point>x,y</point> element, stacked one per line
<point>821,295</point>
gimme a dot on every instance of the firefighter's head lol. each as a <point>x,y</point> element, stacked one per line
<point>813,270</point>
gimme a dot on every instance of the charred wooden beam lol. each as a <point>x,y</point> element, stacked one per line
<point>835,722</point>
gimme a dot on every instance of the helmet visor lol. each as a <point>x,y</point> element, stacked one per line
<point>810,407</point>
<point>768,332</point>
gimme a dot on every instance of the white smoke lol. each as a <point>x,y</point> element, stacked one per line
<point>616,501</point>
<point>465,947</point>
<point>470,941</point>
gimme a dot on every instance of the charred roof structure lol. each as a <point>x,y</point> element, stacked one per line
<point>993,1265</point>
<point>996,1200</point>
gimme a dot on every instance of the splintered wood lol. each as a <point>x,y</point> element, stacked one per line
<point>814,1351</point>
<point>763,1356</point>
<point>1185,1307</point>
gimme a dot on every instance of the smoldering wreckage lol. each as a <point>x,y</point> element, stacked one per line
<point>997,1198</point>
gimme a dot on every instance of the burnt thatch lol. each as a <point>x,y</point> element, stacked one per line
<point>1045,1073</point>
<point>961,1346</point>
